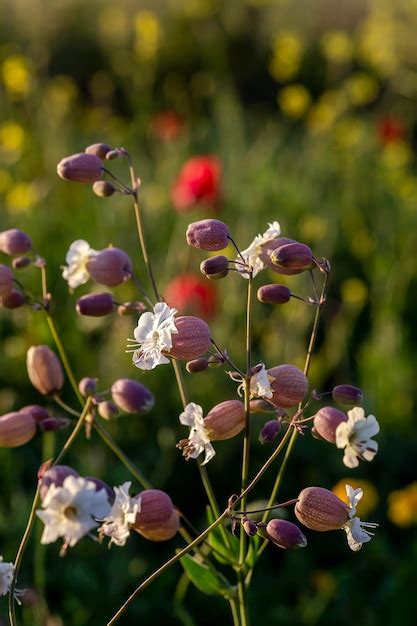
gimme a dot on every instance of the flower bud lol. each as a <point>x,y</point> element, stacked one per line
<point>320,509</point>
<point>192,340</point>
<point>249,526</point>
<point>113,154</point>
<point>326,421</point>
<point>100,484</point>
<point>103,188</point>
<point>95,304</point>
<point>6,280</point>
<point>289,387</point>
<point>20,262</point>
<point>167,530</point>
<point>225,420</point>
<point>98,149</point>
<point>274,294</point>
<point>110,267</point>
<point>107,410</point>
<point>15,241</point>
<point>197,365</point>
<point>55,476</point>
<point>293,256</point>
<point>268,248</point>
<point>80,168</point>
<point>12,300</point>
<point>155,510</point>
<point>16,429</point>
<point>269,431</point>
<point>215,268</point>
<point>285,534</point>
<point>131,396</point>
<point>208,235</point>
<point>38,413</point>
<point>54,423</point>
<point>87,386</point>
<point>44,370</point>
<point>347,394</point>
<point>130,308</point>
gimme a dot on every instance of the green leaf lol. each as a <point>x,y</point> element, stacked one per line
<point>222,552</point>
<point>204,579</point>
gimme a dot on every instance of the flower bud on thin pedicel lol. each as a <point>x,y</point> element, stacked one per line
<point>98,149</point>
<point>215,268</point>
<point>197,365</point>
<point>249,526</point>
<point>110,267</point>
<point>113,154</point>
<point>55,476</point>
<point>80,168</point>
<point>107,410</point>
<point>103,188</point>
<point>270,431</point>
<point>12,300</point>
<point>225,420</point>
<point>44,370</point>
<point>289,387</point>
<point>167,530</point>
<point>285,534</point>
<point>155,509</point>
<point>192,339</point>
<point>321,510</point>
<point>268,248</point>
<point>54,423</point>
<point>130,308</point>
<point>21,262</point>
<point>131,396</point>
<point>6,280</point>
<point>16,429</point>
<point>326,421</point>
<point>274,294</point>
<point>87,386</point>
<point>15,241</point>
<point>347,394</point>
<point>293,256</point>
<point>95,304</point>
<point>208,235</point>
<point>38,413</point>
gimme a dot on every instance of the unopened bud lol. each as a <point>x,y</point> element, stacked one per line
<point>320,509</point>
<point>15,241</point>
<point>267,249</point>
<point>38,413</point>
<point>208,235</point>
<point>165,531</point>
<point>197,365</point>
<point>130,308</point>
<point>215,268</point>
<point>326,421</point>
<point>20,262</point>
<point>293,256</point>
<point>269,432</point>
<point>131,396</point>
<point>110,267</point>
<point>155,509</point>
<point>107,410</point>
<point>103,188</point>
<point>6,280</point>
<point>192,339</point>
<point>225,420</point>
<point>95,304</point>
<point>347,394</point>
<point>285,534</point>
<point>289,386</point>
<point>16,429</point>
<point>55,476</point>
<point>44,370</point>
<point>87,386</point>
<point>98,149</point>
<point>80,168</point>
<point>274,294</point>
<point>113,154</point>
<point>249,526</point>
<point>54,423</point>
<point>12,300</point>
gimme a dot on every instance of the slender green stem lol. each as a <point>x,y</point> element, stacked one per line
<point>66,406</point>
<point>242,598</point>
<point>64,358</point>
<point>235,612</point>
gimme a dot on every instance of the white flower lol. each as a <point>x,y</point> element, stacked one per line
<point>78,255</point>
<point>198,440</point>
<point>355,436</point>
<point>123,512</point>
<point>152,336</point>
<point>252,253</point>
<point>6,576</point>
<point>71,511</point>
<point>355,529</point>
<point>260,383</point>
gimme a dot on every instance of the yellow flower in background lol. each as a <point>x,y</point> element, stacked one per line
<point>396,155</point>
<point>326,110</point>
<point>377,42</point>
<point>60,94</point>
<point>337,46</point>
<point>16,75</point>
<point>294,100</point>
<point>354,292</point>
<point>21,197</point>
<point>402,506</point>
<point>368,502</point>
<point>148,34</point>
<point>5,181</point>
<point>361,88</point>
<point>287,51</point>
<point>12,136</point>
<point>349,132</point>
<point>196,9</point>
<point>313,228</point>
<point>113,23</point>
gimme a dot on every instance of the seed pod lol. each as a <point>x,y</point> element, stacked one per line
<point>95,304</point>
<point>110,267</point>
<point>98,149</point>
<point>16,429</point>
<point>208,235</point>
<point>12,300</point>
<point>99,485</point>
<point>55,476</point>
<point>15,241</point>
<point>167,530</point>
<point>192,340</point>
<point>131,396</point>
<point>268,248</point>
<point>80,168</point>
<point>107,410</point>
<point>285,534</point>
<point>249,526</point>
<point>289,387</point>
<point>103,188</point>
<point>197,365</point>
<point>293,256</point>
<point>320,509</point>
<point>225,420</point>
<point>347,394</point>
<point>21,262</point>
<point>6,280</point>
<point>87,386</point>
<point>270,431</point>
<point>38,413</point>
<point>156,509</point>
<point>44,370</point>
<point>274,294</point>
<point>326,421</point>
<point>215,268</point>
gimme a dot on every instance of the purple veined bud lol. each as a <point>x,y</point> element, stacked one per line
<point>16,429</point>
<point>38,413</point>
<point>274,294</point>
<point>6,280</point>
<point>285,534</point>
<point>347,394</point>
<point>165,531</point>
<point>98,149</point>
<point>131,396</point>
<point>131,308</point>
<point>293,256</point>
<point>197,365</point>
<point>15,241</point>
<point>80,168</point>
<point>225,420</point>
<point>87,386</point>
<point>208,235</point>
<point>289,387</point>
<point>268,248</point>
<point>54,423</point>
<point>270,431</point>
<point>103,188</point>
<point>110,267</point>
<point>44,370</point>
<point>55,476</point>
<point>215,268</point>
<point>95,304</point>
<point>107,410</point>
<point>320,509</point>
<point>21,262</point>
<point>192,339</point>
<point>326,421</point>
<point>100,484</point>
<point>249,526</point>
<point>12,300</point>
<point>155,510</point>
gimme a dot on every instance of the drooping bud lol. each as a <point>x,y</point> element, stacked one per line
<point>192,340</point>
<point>249,526</point>
<point>155,510</point>
<point>326,421</point>
<point>15,241</point>
<point>274,294</point>
<point>131,308</point>
<point>225,420</point>
<point>98,149</point>
<point>103,188</point>
<point>208,235</point>
<point>55,476</point>
<point>54,423</point>
<point>293,256</point>
<point>95,304</point>
<point>38,413</point>
<point>113,154</point>
<point>131,396</point>
<point>320,509</point>
<point>110,267</point>
<point>44,370</point>
<point>6,280</point>
<point>289,387</point>
<point>347,394</point>
<point>268,248</point>
<point>12,300</point>
<point>269,432</point>
<point>80,168</point>
<point>167,530</point>
<point>285,534</point>
<point>87,386</point>
<point>197,365</point>
<point>215,268</point>
<point>21,262</point>
<point>16,429</point>
<point>107,410</point>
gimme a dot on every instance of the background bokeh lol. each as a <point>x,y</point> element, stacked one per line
<point>310,108</point>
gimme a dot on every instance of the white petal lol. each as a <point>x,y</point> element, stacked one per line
<point>350,458</point>
<point>357,413</point>
<point>342,435</point>
<point>191,412</point>
<point>210,452</point>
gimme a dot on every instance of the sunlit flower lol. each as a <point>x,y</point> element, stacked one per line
<point>6,576</point>
<point>153,336</point>
<point>78,256</point>
<point>355,529</point>
<point>253,252</point>
<point>123,513</point>
<point>368,502</point>
<point>198,440</point>
<point>260,383</point>
<point>355,437</point>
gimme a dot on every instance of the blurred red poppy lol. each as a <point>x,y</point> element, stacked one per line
<point>197,183</point>
<point>167,125</point>
<point>193,295</point>
<point>390,129</point>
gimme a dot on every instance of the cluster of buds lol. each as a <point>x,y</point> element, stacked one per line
<point>13,242</point>
<point>19,427</point>
<point>127,395</point>
<point>280,532</point>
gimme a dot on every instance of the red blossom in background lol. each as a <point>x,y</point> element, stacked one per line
<point>197,183</point>
<point>390,129</point>
<point>190,294</point>
<point>167,125</point>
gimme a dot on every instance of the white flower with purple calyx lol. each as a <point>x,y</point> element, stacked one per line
<point>356,529</point>
<point>122,515</point>
<point>153,336</point>
<point>198,440</point>
<point>6,576</point>
<point>355,437</point>
<point>77,258</point>
<point>252,253</point>
<point>260,383</point>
